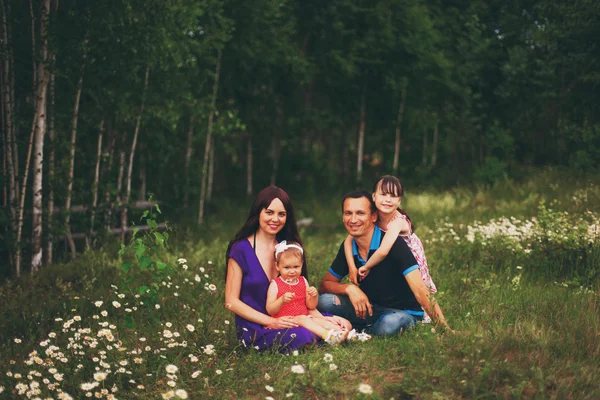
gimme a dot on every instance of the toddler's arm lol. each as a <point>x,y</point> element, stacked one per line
<point>352,270</point>
<point>394,229</point>
<point>274,304</point>
<point>312,297</point>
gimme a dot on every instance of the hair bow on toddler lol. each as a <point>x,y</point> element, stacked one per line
<point>283,246</point>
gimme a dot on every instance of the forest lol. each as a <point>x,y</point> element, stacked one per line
<point>107,103</point>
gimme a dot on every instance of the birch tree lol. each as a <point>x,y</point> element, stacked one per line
<point>96,183</point>
<point>51,119</point>
<point>209,139</point>
<point>361,136</point>
<point>36,256</point>
<point>136,132</point>
<point>70,176</point>
<point>398,128</point>
<point>188,160</point>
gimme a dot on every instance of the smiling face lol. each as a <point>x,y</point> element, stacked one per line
<point>272,218</point>
<point>289,266</point>
<point>358,217</point>
<point>387,201</point>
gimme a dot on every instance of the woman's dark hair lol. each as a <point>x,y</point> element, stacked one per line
<point>391,185</point>
<point>262,201</point>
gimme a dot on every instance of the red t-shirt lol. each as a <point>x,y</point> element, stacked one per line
<point>298,304</point>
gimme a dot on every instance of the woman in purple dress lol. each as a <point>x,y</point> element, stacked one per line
<point>250,269</point>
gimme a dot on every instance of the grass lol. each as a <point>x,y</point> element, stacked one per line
<point>526,308</point>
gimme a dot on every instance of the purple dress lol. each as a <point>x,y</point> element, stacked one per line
<point>255,285</point>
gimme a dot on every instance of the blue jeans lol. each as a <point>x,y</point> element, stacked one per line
<point>384,321</point>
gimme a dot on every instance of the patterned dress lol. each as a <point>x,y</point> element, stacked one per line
<point>255,285</point>
<point>298,304</point>
<point>415,245</point>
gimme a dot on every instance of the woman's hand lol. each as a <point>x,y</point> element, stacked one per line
<point>282,323</point>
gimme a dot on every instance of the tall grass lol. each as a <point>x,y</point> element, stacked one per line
<point>522,294</point>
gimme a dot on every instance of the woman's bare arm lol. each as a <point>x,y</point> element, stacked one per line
<point>233,287</point>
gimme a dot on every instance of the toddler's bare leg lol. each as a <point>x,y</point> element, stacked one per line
<point>325,323</point>
<point>306,322</point>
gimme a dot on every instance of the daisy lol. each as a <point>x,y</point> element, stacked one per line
<point>100,376</point>
<point>298,369</point>
<point>171,369</point>
<point>182,394</point>
<point>365,388</point>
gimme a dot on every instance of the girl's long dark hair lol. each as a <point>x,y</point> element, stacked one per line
<point>289,231</point>
<point>390,184</point>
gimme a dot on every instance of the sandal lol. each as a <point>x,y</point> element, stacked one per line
<point>334,337</point>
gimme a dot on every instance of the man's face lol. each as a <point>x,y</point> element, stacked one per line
<point>358,218</point>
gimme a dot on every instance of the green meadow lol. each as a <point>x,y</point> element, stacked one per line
<point>517,266</point>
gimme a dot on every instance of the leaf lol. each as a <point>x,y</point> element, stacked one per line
<point>126,266</point>
<point>140,249</point>
<point>145,262</point>
<point>161,265</point>
<point>159,239</point>
<point>157,208</point>
<point>143,289</point>
<point>151,223</point>
<point>135,231</point>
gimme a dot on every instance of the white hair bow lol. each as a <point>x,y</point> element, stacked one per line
<point>283,246</point>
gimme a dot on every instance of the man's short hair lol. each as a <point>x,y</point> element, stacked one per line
<point>359,194</point>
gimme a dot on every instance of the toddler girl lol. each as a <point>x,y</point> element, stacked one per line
<point>290,295</point>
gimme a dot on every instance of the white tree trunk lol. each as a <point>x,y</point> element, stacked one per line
<point>11,158</point>
<point>32,16</point>
<point>38,161</point>
<point>211,170</point>
<point>361,137</point>
<point>142,177</point>
<point>131,155</point>
<point>249,167</point>
<point>71,174</point>
<point>4,153</point>
<point>107,168</point>
<point>51,117</point>
<point>398,128</point>
<point>209,139</point>
<point>188,160</point>
<point>275,149</point>
<point>425,146</point>
<point>96,183</point>
<point>434,150</point>
<point>119,188</point>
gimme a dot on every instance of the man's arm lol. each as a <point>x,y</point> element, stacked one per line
<point>360,301</point>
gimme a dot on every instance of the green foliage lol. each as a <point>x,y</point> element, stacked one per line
<point>492,170</point>
<point>145,260</point>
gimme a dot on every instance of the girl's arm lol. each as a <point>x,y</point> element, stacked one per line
<point>233,286</point>
<point>312,296</point>
<point>274,304</point>
<point>352,270</point>
<point>394,229</point>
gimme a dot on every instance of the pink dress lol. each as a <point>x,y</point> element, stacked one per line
<point>415,245</point>
<point>297,306</point>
